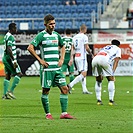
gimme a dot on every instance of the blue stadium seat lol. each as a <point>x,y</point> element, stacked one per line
<point>21,9</point>
<point>75,15</point>
<point>73,8</point>
<point>20,3</point>
<point>21,15</point>
<point>45,2</point>
<point>88,24</point>
<point>68,15</point>
<point>33,2</point>
<point>41,25</point>
<point>68,25</point>
<point>36,25</point>
<point>3,26</point>
<point>87,8</point>
<point>52,2</point>
<point>85,2</point>
<point>29,15</point>
<point>53,9</point>
<point>41,15</point>
<point>59,2</point>
<point>14,3</point>
<point>67,9</point>
<point>8,10</point>
<point>2,10</point>
<point>80,8</point>
<point>75,25</point>
<point>34,9</point>
<point>61,25</point>
<point>15,16</point>
<point>40,9</point>
<point>81,15</point>
<point>60,8</point>
<point>14,9</point>
<point>79,2</point>
<point>55,15</point>
<point>2,15</point>
<point>61,15</point>
<point>47,9</point>
<point>27,9</point>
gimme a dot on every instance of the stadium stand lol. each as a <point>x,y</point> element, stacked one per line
<point>37,9</point>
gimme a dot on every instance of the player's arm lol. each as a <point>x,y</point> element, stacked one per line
<point>33,53</point>
<point>88,50</point>
<point>12,56</point>
<point>62,55</point>
<point>71,56</point>
<point>115,64</point>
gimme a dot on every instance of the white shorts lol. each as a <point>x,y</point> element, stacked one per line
<point>81,64</point>
<point>101,66</point>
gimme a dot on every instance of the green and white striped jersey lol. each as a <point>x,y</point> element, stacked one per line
<point>9,40</point>
<point>49,48</point>
<point>68,42</point>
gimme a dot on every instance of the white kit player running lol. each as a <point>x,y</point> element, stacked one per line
<point>81,47</point>
<point>105,64</point>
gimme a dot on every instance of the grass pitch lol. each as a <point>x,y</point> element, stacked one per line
<point>26,115</point>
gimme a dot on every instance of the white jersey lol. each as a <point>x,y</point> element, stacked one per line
<point>79,42</point>
<point>111,51</point>
<point>102,62</point>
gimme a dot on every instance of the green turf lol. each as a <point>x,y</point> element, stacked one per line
<point>25,114</point>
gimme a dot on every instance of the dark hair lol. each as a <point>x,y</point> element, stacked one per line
<point>68,31</point>
<point>11,26</point>
<point>115,42</point>
<point>47,18</point>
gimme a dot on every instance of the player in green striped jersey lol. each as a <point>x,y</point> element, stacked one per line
<point>50,43</point>
<point>10,62</point>
<point>68,62</point>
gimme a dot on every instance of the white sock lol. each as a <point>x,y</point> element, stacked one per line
<point>83,83</point>
<point>111,89</point>
<point>76,80</point>
<point>98,88</point>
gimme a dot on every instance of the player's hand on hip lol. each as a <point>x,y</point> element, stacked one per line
<point>60,62</point>
<point>44,63</point>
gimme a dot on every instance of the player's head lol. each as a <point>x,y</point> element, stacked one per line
<point>67,31</point>
<point>83,28</point>
<point>12,28</point>
<point>115,42</point>
<point>49,22</point>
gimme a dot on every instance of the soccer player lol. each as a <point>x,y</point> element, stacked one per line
<point>50,43</point>
<point>105,64</point>
<point>68,62</point>
<point>81,47</point>
<point>10,63</point>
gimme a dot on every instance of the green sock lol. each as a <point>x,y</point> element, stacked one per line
<point>64,102</point>
<point>45,103</point>
<point>15,82</point>
<point>6,85</point>
<point>71,76</point>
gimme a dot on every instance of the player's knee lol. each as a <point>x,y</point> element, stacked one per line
<point>45,90</point>
<point>110,78</point>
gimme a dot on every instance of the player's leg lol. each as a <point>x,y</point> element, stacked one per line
<point>61,83</point>
<point>6,81</point>
<point>46,76</point>
<point>18,75</point>
<point>111,89</point>
<point>98,88</point>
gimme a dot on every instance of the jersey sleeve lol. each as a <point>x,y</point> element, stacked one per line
<point>85,39</point>
<point>119,53</point>
<point>60,41</point>
<point>11,41</point>
<point>37,40</point>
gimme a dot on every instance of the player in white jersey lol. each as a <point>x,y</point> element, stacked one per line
<point>81,48</point>
<point>105,64</point>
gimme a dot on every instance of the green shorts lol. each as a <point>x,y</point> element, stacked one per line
<point>52,78</point>
<point>66,66</point>
<point>9,69</point>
